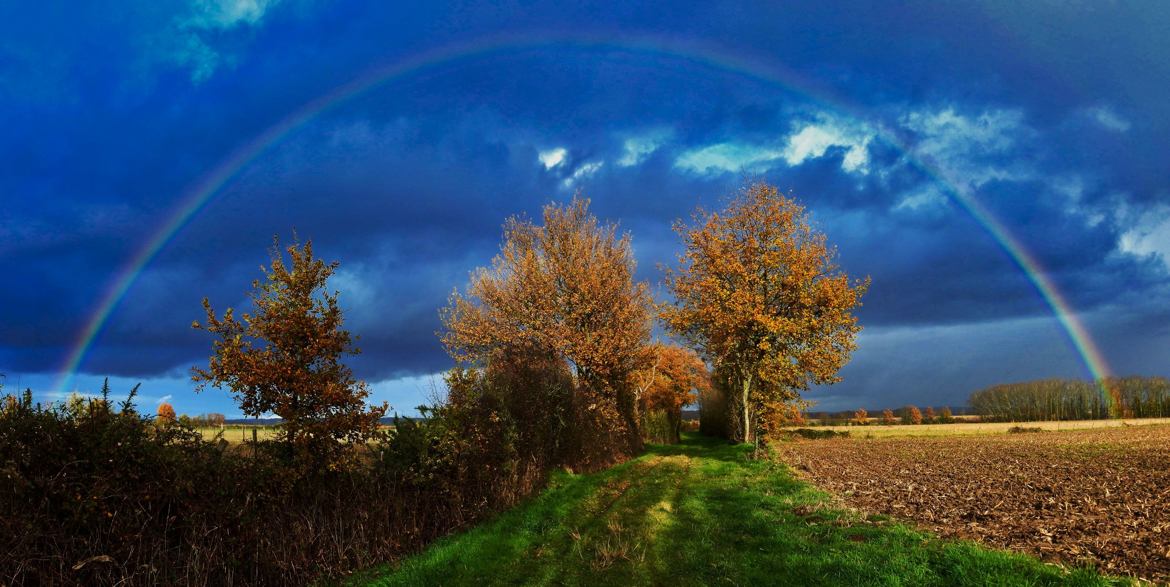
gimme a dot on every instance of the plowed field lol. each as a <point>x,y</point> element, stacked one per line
<point>1100,496</point>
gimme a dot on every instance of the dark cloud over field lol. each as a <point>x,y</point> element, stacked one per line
<point>1054,116</point>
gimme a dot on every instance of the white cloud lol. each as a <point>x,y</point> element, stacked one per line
<point>1108,118</point>
<point>971,149</point>
<point>813,140</point>
<point>809,140</point>
<point>927,197</point>
<point>227,14</point>
<point>164,399</point>
<point>637,148</point>
<point>552,157</point>
<point>727,157</point>
<point>189,36</point>
<point>1149,234</point>
<point>582,172</point>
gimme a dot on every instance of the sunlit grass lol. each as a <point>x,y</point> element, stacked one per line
<point>704,513</point>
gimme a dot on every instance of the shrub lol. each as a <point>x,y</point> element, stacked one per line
<point>658,427</point>
<point>98,494</point>
<point>814,434</point>
<point>1024,429</point>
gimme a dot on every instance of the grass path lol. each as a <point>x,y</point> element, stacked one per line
<point>703,513</point>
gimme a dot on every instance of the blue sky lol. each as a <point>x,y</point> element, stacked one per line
<point>1053,115</point>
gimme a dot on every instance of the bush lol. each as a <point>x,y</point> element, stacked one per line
<point>814,434</point>
<point>98,494</point>
<point>659,428</point>
<point>1024,429</point>
<point>714,410</point>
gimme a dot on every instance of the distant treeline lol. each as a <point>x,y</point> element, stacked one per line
<point>902,415</point>
<point>1071,399</point>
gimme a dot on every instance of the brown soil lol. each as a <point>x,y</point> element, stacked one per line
<point>1099,496</point>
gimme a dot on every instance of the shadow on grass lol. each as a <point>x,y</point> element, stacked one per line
<point>703,512</point>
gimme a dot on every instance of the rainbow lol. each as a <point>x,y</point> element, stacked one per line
<point>700,54</point>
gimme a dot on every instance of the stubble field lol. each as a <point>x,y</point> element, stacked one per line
<point>1099,496</point>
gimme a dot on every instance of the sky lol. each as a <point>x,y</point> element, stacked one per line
<point>151,151</point>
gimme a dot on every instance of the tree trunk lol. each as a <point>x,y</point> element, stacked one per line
<point>747,421</point>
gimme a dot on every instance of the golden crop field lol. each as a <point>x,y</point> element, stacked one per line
<point>235,433</point>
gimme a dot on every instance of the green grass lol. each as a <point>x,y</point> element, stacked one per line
<point>704,513</point>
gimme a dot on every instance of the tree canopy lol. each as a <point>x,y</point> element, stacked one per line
<point>284,357</point>
<point>564,288</point>
<point>758,292</point>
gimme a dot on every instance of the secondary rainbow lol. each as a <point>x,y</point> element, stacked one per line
<point>705,55</point>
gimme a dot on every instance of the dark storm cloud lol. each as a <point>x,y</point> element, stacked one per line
<point>1059,129</point>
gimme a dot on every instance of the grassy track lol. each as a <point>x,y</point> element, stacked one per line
<point>703,513</point>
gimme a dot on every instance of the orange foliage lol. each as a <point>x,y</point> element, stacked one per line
<point>777,415</point>
<point>166,413</point>
<point>861,417</point>
<point>565,289</point>
<point>913,414</point>
<point>929,414</point>
<point>284,358</point>
<point>888,417</point>
<point>674,379</point>
<point>759,293</point>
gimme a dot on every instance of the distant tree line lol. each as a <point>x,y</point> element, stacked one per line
<point>861,417</point>
<point>200,421</point>
<point>1072,399</point>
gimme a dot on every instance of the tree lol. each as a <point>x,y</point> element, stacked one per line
<point>564,289</point>
<point>911,415</point>
<point>861,417</point>
<point>285,356</point>
<point>888,417</point>
<point>674,378</point>
<point>929,414</point>
<point>758,292</point>
<point>166,413</point>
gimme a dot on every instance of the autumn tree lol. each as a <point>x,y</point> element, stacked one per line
<point>758,292</point>
<point>673,378</point>
<point>566,289</point>
<point>888,417</point>
<point>284,357</point>
<point>861,417</point>
<point>166,413</point>
<point>911,415</point>
<point>928,415</point>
